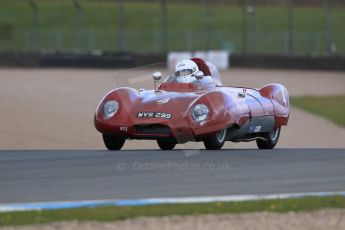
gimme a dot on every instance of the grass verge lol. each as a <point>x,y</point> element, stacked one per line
<point>330,107</point>
<point>119,213</point>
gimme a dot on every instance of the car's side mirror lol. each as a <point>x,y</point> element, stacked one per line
<point>156,77</point>
<point>199,75</point>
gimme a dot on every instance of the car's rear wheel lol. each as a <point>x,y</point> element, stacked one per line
<point>271,140</point>
<point>215,141</point>
<point>112,142</point>
<point>166,144</point>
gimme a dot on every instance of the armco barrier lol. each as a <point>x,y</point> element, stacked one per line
<point>119,60</point>
<point>19,60</point>
<point>106,60</point>
<point>288,62</point>
<point>125,60</point>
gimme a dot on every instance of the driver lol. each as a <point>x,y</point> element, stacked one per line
<point>185,71</point>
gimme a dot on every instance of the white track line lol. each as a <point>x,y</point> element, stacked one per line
<point>156,201</point>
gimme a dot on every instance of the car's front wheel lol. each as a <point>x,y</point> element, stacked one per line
<point>271,139</point>
<point>166,144</point>
<point>215,141</point>
<point>112,142</point>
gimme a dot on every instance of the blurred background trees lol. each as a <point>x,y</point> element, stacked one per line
<point>289,27</point>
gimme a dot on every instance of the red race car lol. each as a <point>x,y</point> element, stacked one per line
<point>193,105</point>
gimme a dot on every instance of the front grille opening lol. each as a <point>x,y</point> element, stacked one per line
<point>154,129</point>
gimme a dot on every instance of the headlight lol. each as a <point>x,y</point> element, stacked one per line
<point>200,112</point>
<point>110,108</point>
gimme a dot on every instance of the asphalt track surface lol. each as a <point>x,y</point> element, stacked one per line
<point>43,175</point>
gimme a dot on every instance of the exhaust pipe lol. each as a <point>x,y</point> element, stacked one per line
<point>253,139</point>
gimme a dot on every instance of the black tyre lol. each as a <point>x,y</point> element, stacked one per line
<point>271,140</point>
<point>166,144</point>
<point>113,143</point>
<point>216,141</point>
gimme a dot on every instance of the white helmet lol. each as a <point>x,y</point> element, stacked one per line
<point>185,71</point>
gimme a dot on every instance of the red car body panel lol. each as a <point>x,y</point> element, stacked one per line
<point>238,107</point>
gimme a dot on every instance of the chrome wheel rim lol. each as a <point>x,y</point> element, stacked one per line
<point>221,135</point>
<point>274,135</point>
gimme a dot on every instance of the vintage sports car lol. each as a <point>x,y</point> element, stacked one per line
<point>207,111</point>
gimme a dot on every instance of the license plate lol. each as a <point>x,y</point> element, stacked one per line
<point>154,115</point>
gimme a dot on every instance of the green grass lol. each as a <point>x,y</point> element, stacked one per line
<point>143,32</point>
<point>330,107</point>
<point>119,213</point>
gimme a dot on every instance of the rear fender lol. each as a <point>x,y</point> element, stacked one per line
<point>279,96</point>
